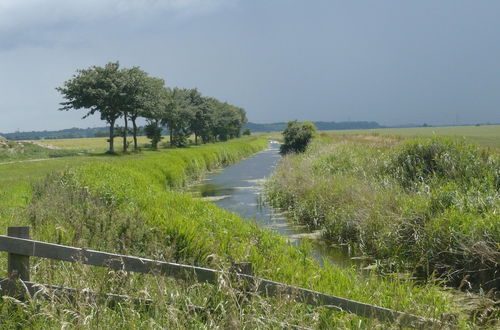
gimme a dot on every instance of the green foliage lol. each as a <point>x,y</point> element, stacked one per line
<point>131,93</point>
<point>153,132</point>
<point>246,131</point>
<point>297,137</point>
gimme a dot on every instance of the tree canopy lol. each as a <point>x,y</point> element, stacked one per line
<point>97,89</point>
<point>130,93</point>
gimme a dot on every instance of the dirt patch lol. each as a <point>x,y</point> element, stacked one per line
<point>44,145</point>
<point>4,143</point>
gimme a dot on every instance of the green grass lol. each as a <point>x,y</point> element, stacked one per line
<point>130,204</point>
<point>428,206</point>
<point>488,136</point>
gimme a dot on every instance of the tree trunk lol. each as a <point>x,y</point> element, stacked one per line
<point>195,138</point>
<point>154,141</point>
<point>125,129</point>
<point>111,136</point>
<point>134,125</point>
<point>170,130</point>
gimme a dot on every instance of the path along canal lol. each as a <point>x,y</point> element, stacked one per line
<point>239,188</point>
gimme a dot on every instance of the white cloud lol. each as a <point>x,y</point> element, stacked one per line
<point>32,14</point>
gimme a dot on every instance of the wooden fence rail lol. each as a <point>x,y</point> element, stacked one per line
<point>20,249</point>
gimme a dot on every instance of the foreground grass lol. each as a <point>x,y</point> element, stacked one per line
<point>425,206</point>
<point>130,205</point>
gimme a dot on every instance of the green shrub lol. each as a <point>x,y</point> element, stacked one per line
<point>297,136</point>
<point>153,132</point>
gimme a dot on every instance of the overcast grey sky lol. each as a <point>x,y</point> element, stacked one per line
<point>391,61</point>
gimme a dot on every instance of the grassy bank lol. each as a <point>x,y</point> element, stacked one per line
<point>428,206</point>
<point>130,205</point>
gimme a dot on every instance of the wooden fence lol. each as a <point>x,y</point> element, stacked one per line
<point>20,248</point>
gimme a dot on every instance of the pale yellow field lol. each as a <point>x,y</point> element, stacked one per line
<point>488,136</point>
<point>99,144</point>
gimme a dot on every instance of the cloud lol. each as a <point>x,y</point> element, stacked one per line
<point>32,14</point>
<point>45,23</point>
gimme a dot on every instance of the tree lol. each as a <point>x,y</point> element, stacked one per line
<point>153,132</point>
<point>177,117</point>
<point>238,126</point>
<point>199,118</point>
<point>98,89</point>
<point>146,98</point>
<point>228,121</point>
<point>297,136</point>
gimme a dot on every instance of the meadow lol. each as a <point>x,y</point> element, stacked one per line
<point>486,135</point>
<point>133,204</point>
<point>95,145</point>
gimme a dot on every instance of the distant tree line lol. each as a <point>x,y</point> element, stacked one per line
<point>321,125</point>
<point>128,94</point>
<point>72,133</point>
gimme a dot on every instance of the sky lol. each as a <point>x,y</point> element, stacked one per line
<point>390,61</point>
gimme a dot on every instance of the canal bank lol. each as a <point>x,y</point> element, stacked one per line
<point>240,188</point>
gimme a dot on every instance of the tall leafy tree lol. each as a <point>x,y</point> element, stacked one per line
<point>155,110</point>
<point>145,96</point>
<point>199,109</point>
<point>97,89</point>
<point>177,116</point>
<point>228,121</point>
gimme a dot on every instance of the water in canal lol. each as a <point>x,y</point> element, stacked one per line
<point>239,188</point>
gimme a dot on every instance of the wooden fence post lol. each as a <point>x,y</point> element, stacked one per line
<point>243,268</point>
<point>247,285</point>
<point>19,265</point>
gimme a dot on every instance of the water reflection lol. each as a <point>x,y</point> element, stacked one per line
<point>238,188</point>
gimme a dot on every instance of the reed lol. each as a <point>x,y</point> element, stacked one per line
<point>428,206</point>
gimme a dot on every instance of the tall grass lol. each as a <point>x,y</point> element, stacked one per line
<point>429,206</point>
<point>131,206</point>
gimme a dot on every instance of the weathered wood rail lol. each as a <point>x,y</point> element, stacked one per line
<point>20,248</point>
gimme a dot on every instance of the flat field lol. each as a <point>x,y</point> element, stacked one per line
<point>98,144</point>
<point>487,135</point>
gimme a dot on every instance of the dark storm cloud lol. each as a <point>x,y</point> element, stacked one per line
<point>390,61</point>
